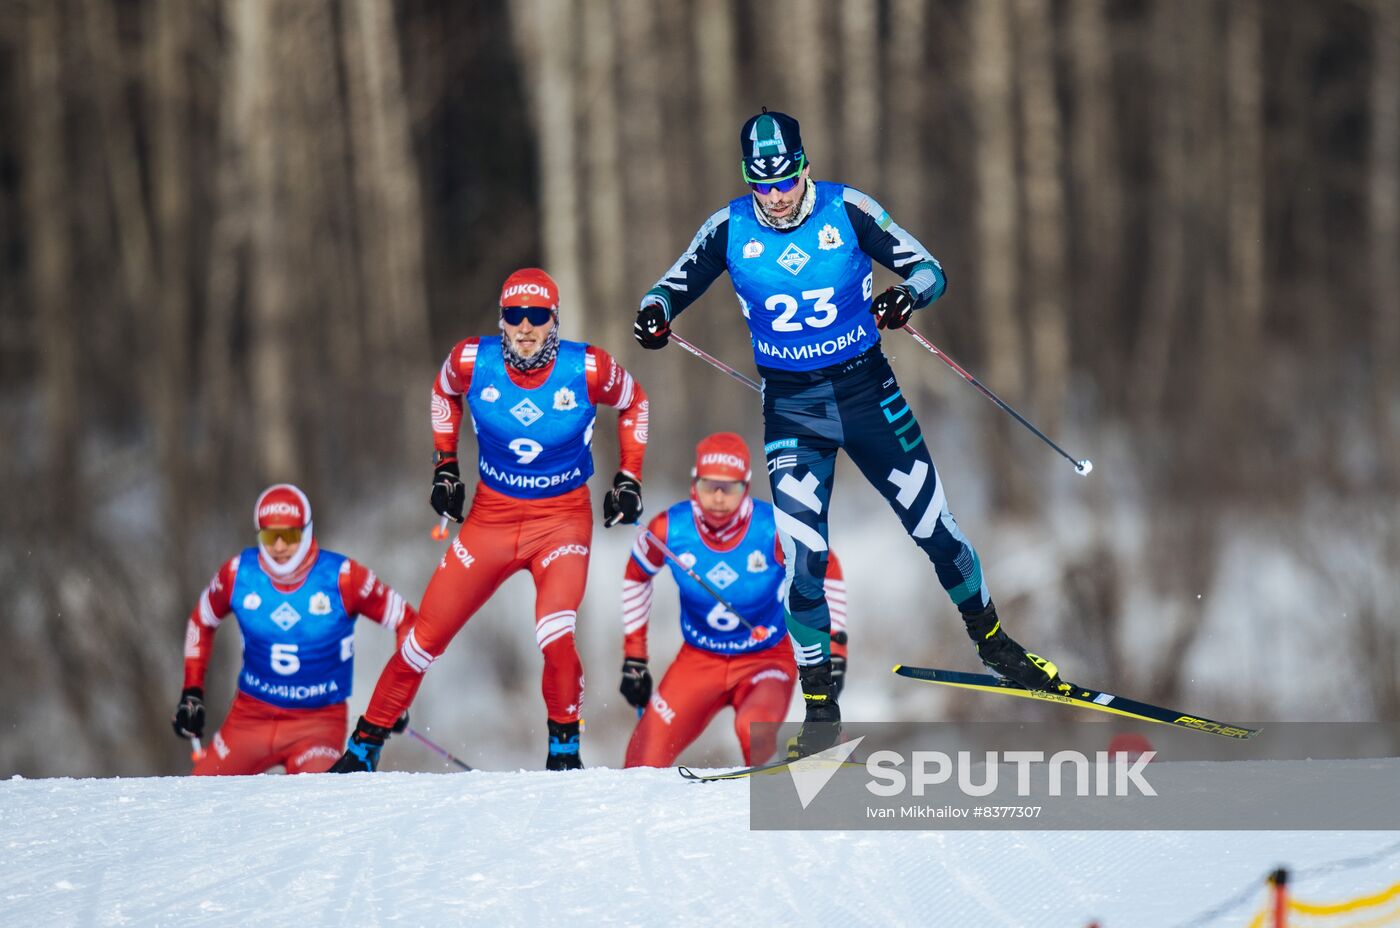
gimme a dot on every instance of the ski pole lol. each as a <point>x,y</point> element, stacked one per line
<point>716,363</point>
<point>758,633</point>
<point>443,751</point>
<point>1081,467</point>
<point>196,750</point>
<point>439,531</point>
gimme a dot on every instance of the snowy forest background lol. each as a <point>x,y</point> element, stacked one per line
<point>238,236</point>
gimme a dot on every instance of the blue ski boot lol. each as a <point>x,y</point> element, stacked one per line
<point>362,753</point>
<point>563,747</point>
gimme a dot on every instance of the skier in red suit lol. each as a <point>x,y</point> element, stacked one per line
<point>729,539</point>
<point>296,606</point>
<point>532,399</point>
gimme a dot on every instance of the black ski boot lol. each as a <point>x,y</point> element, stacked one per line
<point>1007,659</point>
<point>362,753</point>
<point>563,747</point>
<point>822,727</point>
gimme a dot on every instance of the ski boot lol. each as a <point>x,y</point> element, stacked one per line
<point>563,747</point>
<point>821,728</point>
<point>362,753</point>
<point>1007,659</point>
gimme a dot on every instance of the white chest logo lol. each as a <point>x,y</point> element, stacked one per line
<point>687,559</point>
<point>526,411</point>
<point>490,394</point>
<point>564,399</point>
<point>757,563</point>
<point>721,575</point>
<point>793,259</point>
<point>320,604</point>
<point>753,248</point>
<point>252,601</point>
<point>285,617</point>
<point>828,238</point>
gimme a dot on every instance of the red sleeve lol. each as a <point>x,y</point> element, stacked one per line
<point>637,577</point>
<point>835,588</point>
<point>453,381</point>
<point>366,595</point>
<point>609,384</point>
<point>211,609</point>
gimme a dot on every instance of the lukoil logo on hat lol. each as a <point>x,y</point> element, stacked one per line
<point>530,286</point>
<point>722,456</point>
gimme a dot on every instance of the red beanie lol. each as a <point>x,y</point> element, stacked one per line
<point>722,456</point>
<point>282,506</point>
<point>530,286</point>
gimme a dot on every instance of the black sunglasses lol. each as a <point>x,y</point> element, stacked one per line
<point>538,315</point>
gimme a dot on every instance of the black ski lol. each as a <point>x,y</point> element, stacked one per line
<point>1080,696</point>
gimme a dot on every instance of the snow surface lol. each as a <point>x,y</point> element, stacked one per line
<point>605,847</point>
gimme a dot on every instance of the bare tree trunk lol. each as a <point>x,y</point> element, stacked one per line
<point>545,33</point>
<point>134,237</point>
<point>1246,119</point>
<point>1045,211</point>
<point>1166,260</point>
<point>1098,191</point>
<point>719,98</point>
<point>220,453</point>
<point>256,40</point>
<point>391,208</point>
<point>342,295</point>
<point>1384,221</point>
<point>653,247</point>
<point>808,90</point>
<point>998,260</point>
<point>605,231</point>
<point>905,172</point>
<point>860,96</point>
<point>51,262</point>
<point>722,116</point>
<point>170,177</point>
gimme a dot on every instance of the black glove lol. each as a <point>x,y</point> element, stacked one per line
<point>636,682</point>
<point>893,308</point>
<point>401,725</point>
<point>448,492</point>
<point>623,503</point>
<point>653,326</point>
<point>188,721</point>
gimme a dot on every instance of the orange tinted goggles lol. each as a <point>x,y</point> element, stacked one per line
<point>269,536</point>
<point>708,485</point>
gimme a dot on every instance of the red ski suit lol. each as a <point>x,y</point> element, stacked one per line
<point>503,534</point>
<point>257,735</point>
<point>699,683</point>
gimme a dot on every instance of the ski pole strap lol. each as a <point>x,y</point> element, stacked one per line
<point>759,633</point>
<point>716,363</point>
<point>1081,467</point>
<point>440,750</point>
